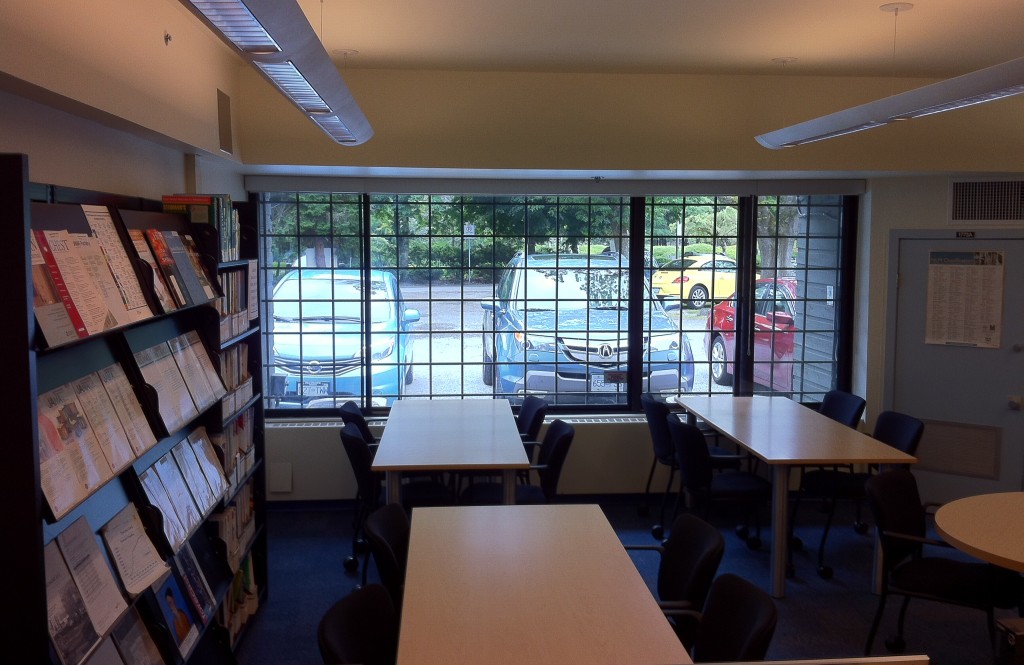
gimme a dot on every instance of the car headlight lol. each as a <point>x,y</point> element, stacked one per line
<point>664,343</point>
<point>535,342</point>
<point>381,351</point>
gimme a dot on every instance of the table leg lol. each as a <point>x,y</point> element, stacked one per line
<point>393,486</point>
<point>780,528</point>
<point>508,484</point>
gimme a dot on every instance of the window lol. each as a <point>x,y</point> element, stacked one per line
<point>377,297</point>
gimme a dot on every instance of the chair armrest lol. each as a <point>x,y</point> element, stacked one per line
<point>676,605</point>
<point>657,548</point>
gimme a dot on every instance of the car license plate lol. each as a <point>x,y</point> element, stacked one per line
<point>609,382</point>
<point>315,387</point>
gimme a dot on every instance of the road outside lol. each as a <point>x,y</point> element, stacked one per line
<point>447,347</point>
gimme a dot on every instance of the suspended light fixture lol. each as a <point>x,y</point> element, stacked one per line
<point>275,37</point>
<point>984,85</point>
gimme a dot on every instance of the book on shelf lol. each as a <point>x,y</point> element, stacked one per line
<point>197,483</point>
<point>71,463</point>
<point>193,277</point>
<point>252,291</point>
<point>119,263</point>
<point>177,614</point>
<point>104,422</point>
<point>157,496</point>
<point>54,308</point>
<point>201,377</point>
<point>168,267</point>
<point>242,601</point>
<point>127,407</point>
<point>209,463</point>
<point>177,491</point>
<point>194,583</point>
<point>135,557</point>
<point>134,642</point>
<point>160,371</point>
<point>92,575</point>
<point>212,209</point>
<point>161,289</point>
<point>71,629</point>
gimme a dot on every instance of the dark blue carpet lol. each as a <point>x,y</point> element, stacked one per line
<point>817,619</point>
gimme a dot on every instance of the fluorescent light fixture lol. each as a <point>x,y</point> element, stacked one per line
<point>277,39</point>
<point>984,85</point>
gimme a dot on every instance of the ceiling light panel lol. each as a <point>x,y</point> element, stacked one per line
<point>238,24</point>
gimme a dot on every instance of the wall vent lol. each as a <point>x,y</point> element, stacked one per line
<point>986,201</point>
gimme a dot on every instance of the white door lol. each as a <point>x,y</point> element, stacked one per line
<point>974,435</point>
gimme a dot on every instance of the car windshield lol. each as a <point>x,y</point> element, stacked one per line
<point>575,288</point>
<point>313,299</point>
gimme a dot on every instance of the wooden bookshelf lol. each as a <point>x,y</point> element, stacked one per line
<point>38,367</point>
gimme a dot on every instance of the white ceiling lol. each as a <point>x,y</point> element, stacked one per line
<point>934,39</point>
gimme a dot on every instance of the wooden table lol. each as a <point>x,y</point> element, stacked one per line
<point>987,526</point>
<point>548,584</point>
<point>450,435</point>
<point>783,433</point>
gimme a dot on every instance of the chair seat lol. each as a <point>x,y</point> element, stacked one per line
<point>488,493</point>
<point>418,493</point>
<point>951,580</point>
<point>828,483</point>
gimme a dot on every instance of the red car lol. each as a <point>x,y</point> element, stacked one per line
<point>774,335</point>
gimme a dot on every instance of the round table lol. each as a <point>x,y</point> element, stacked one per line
<point>988,526</point>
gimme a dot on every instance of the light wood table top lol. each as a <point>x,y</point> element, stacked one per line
<point>783,433</point>
<point>450,434</point>
<point>988,526</point>
<point>778,430</point>
<point>548,584</point>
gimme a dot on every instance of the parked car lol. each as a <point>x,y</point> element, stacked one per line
<point>696,279</point>
<point>318,336</point>
<point>557,326</point>
<point>774,335</point>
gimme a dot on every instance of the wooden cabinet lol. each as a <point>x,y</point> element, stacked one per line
<point>228,540</point>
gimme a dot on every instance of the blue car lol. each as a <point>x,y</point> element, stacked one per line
<point>557,328</point>
<point>318,334</point>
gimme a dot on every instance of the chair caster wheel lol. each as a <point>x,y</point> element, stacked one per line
<point>657,531</point>
<point>860,527</point>
<point>896,644</point>
<point>796,544</point>
<point>351,564</point>
<point>360,546</point>
<point>742,531</point>
<point>825,572</point>
<point>753,543</point>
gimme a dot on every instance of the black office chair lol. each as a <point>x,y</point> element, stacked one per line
<point>900,519</point>
<point>352,413</point>
<point>737,624</point>
<point>530,417</point>
<point>417,492</point>
<point>387,531</point>
<point>899,430</point>
<point>551,458</point>
<point>704,485</point>
<point>842,407</point>
<point>360,628</point>
<point>689,560</point>
<point>656,412</point>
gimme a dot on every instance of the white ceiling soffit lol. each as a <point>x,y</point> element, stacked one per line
<point>277,39</point>
<point>984,85</point>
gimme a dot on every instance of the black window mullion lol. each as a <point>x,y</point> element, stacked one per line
<point>746,255</point>
<point>365,268</point>
<point>635,311</point>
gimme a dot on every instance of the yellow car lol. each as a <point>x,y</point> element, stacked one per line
<point>696,279</point>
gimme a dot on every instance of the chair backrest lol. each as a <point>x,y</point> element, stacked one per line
<point>361,628</point>
<point>692,455</point>
<point>531,416</point>
<point>351,413</point>
<point>387,530</point>
<point>553,451</point>
<point>842,407</point>
<point>361,459</point>
<point>737,623</point>
<point>689,560</point>
<point>899,430</point>
<point>896,506</point>
<point>656,413</point>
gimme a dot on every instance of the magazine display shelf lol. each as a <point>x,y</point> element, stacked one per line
<point>30,523</point>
